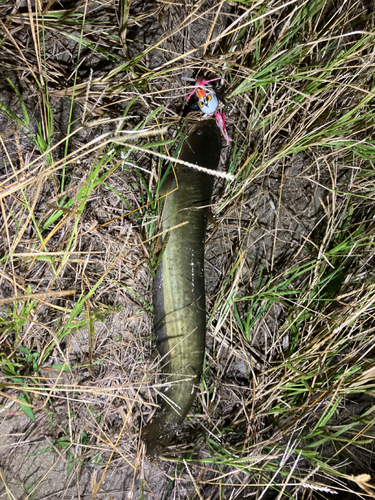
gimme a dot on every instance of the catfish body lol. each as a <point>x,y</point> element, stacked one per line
<point>179,290</point>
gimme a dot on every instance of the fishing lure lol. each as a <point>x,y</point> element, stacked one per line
<point>208,102</point>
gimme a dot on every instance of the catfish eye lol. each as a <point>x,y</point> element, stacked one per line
<point>199,131</point>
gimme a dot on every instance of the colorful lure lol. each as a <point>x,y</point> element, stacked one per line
<point>208,102</point>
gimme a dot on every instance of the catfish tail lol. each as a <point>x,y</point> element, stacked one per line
<point>157,435</point>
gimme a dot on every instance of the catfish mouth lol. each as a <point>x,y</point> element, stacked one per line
<point>203,145</point>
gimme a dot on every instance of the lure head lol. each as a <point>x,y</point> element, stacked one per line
<point>207,100</point>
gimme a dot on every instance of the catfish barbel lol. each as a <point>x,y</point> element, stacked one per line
<point>179,294</point>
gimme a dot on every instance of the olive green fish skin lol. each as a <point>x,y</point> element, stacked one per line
<point>179,292</point>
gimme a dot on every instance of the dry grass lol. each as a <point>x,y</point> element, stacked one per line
<point>90,105</point>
